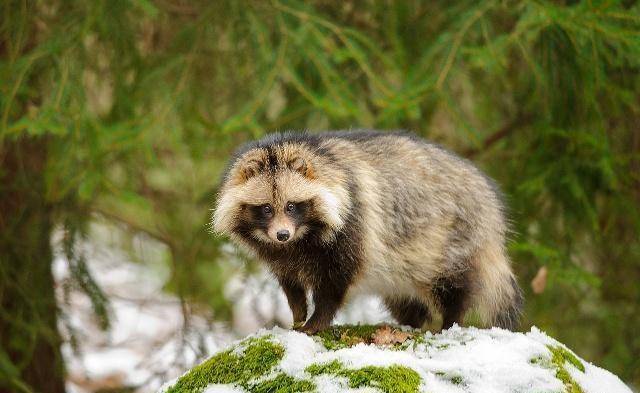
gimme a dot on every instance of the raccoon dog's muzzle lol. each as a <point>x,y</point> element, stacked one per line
<point>281,230</point>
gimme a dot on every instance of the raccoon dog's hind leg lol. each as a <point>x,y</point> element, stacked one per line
<point>452,296</point>
<point>484,282</point>
<point>452,290</point>
<point>407,311</point>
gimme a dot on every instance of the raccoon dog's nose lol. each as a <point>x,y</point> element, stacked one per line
<point>283,235</point>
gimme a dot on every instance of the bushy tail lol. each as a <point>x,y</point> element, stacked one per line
<point>508,317</point>
<point>499,298</point>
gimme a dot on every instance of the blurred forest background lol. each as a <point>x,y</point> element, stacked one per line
<point>124,112</point>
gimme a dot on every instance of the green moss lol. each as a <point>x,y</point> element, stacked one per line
<point>392,379</point>
<point>337,337</point>
<point>283,383</point>
<point>257,358</point>
<point>251,360</point>
<point>325,368</point>
<point>412,342</point>
<point>453,378</point>
<point>561,354</point>
<point>345,336</point>
<point>570,384</point>
<point>415,341</point>
<point>559,357</point>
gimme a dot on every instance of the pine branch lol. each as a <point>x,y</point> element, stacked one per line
<point>519,121</point>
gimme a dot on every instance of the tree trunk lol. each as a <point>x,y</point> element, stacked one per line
<point>29,336</point>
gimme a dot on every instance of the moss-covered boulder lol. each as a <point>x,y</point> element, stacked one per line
<point>392,359</point>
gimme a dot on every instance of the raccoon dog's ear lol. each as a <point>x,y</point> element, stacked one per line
<point>247,170</point>
<point>301,166</point>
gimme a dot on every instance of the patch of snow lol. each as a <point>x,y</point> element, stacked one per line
<point>327,383</point>
<point>594,379</point>
<point>298,351</point>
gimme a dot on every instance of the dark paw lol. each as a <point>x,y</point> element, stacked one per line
<point>309,330</point>
<point>304,329</point>
<point>299,317</point>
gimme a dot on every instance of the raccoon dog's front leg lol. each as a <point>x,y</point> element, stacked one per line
<point>327,298</point>
<point>297,298</point>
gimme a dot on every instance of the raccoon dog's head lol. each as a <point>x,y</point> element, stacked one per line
<point>276,194</point>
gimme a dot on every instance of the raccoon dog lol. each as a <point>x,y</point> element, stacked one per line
<point>341,213</point>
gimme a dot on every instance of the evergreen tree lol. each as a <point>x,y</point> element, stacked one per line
<point>127,111</point>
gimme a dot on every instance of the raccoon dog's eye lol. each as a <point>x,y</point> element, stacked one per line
<point>291,207</point>
<point>266,209</point>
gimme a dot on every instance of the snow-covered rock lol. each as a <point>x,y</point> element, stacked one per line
<point>390,359</point>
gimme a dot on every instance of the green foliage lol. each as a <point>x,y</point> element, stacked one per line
<point>392,379</point>
<point>141,102</point>
<point>80,275</point>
